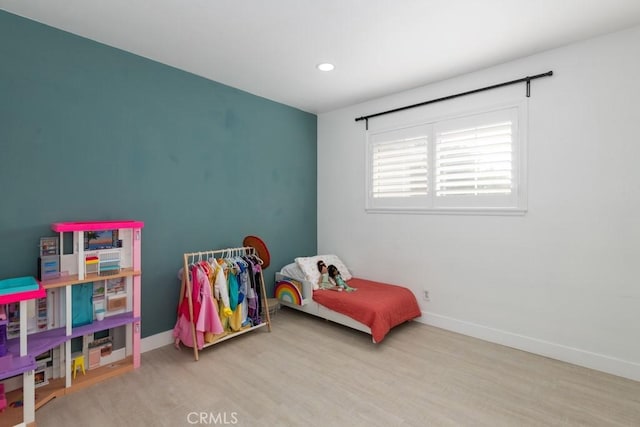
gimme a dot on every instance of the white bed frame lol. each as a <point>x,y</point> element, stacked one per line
<point>312,307</point>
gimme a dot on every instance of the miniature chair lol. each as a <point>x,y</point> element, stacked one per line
<point>77,363</point>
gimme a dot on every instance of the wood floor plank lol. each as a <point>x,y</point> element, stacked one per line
<point>309,372</point>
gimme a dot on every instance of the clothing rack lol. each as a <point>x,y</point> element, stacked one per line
<point>187,286</point>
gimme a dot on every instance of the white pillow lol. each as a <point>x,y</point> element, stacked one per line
<point>309,266</point>
<point>292,271</point>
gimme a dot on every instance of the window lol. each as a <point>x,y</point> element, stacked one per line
<point>469,164</point>
<point>400,165</point>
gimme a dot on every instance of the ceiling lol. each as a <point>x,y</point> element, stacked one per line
<point>271,48</point>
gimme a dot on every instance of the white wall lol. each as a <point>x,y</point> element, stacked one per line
<point>562,280</point>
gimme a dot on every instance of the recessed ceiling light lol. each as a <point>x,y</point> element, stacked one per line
<point>325,66</point>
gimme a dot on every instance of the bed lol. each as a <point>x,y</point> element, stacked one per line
<point>375,308</point>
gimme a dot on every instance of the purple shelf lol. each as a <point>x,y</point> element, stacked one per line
<point>16,365</point>
<point>40,342</point>
<point>108,323</point>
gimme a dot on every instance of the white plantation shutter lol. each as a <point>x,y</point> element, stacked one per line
<point>468,164</point>
<point>400,168</point>
<point>474,161</point>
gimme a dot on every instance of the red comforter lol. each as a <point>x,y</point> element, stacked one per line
<point>378,305</point>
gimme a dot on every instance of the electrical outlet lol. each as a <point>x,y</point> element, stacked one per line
<point>426,295</point>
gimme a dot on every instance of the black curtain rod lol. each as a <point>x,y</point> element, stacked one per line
<point>512,82</point>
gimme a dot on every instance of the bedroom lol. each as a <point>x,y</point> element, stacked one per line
<point>561,280</point>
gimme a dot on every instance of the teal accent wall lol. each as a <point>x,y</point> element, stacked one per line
<point>89,132</point>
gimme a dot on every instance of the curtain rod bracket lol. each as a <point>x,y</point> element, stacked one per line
<point>366,121</point>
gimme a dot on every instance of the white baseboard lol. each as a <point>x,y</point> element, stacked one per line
<point>576,356</point>
<point>156,341</point>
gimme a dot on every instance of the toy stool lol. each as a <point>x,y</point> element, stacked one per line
<point>77,363</point>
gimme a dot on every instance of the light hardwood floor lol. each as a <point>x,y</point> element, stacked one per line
<point>309,372</point>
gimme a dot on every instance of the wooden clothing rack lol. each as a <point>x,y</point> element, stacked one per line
<point>187,286</point>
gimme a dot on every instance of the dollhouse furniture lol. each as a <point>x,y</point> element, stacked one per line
<point>76,364</point>
<point>49,261</point>
<point>120,280</point>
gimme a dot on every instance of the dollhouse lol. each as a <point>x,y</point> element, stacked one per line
<point>77,326</point>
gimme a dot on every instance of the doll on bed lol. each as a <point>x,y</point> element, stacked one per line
<point>334,274</point>
<point>324,282</point>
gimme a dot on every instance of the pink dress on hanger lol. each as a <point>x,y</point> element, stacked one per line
<point>205,313</point>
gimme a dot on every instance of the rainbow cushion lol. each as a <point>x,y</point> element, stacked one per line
<point>288,292</point>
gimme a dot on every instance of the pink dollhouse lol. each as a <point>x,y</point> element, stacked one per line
<point>107,322</point>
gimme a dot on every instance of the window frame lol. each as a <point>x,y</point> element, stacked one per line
<point>514,204</point>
